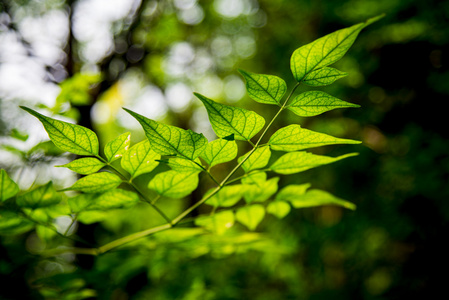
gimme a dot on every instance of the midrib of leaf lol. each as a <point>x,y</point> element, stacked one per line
<point>266,90</point>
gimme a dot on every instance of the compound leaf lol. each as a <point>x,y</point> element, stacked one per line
<point>117,147</point>
<point>267,89</point>
<point>326,50</point>
<point>96,183</point>
<point>278,208</point>
<point>219,151</point>
<point>313,103</point>
<point>294,138</point>
<point>324,76</point>
<point>171,140</point>
<point>42,196</point>
<point>218,223</point>
<point>318,198</point>
<point>85,165</point>
<point>8,188</point>
<point>227,120</point>
<point>68,137</point>
<point>250,216</point>
<point>295,162</point>
<point>174,184</point>
<point>140,159</point>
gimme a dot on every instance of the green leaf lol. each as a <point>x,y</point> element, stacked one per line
<point>261,192</point>
<point>140,159</point>
<point>278,208</point>
<point>11,223</point>
<point>325,51</point>
<point>171,140</point>
<point>218,223</point>
<point>85,165</point>
<point>42,196</point>
<point>318,198</point>
<point>313,103</point>
<point>257,160</point>
<point>96,183</point>
<point>227,196</point>
<point>116,198</point>
<point>291,192</point>
<point>68,137</point>
<point>219,151</point>
<point>184,165</point>
<point>8,188</point>
<point>324,76</point>
<point>258,178</point>
<point>250,216</point>
<point>227,120</point>
<point>174,184</point>
<point>117,147</point>
<point>267,89</point>
<point>294,138</point>
<point>295,162</point>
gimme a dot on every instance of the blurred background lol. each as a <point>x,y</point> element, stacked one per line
<point>82,60</point>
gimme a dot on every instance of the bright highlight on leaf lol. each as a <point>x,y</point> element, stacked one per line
<point>218,223</point>
<point>8,188</point>
<point>294,138</point>
<point>325,51</point>
<point>96,183</point>
<point>68,137</point>
<point>295,162</point>
<point>219,151</point>
<point>313,103</point>
<point>266,89</point>
<point>174,184</point>
<point>117,147</point>
<point>171,140</point>
<point>85,165</point>
<point>42,196</point>
<point>324,76</point>
<point>250,216</point>
<point>227,120</point>
<point>140,159</point>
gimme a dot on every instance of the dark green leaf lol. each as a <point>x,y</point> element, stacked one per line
<point>42,196</point>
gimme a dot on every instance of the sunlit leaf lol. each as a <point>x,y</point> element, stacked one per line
<point>42,196</point>
<point>96,183</point>
<point>313,103</point>
<point>227,120</point>
<point>116,198</point>
<point>85,165</point>
<point>295,162</point>
<point>267,89</point>
<point>318,198</point>
<point>184,165</point>
<point>218,223</point>
<point>174,184</point>
<point>11,223</point>
<point>219,151</point>
<point>171,140</point>
<point>8,188</point>
<point>257,178</point>
<point>250,216</point>
<point>227,196</point>
<point>326,50</point>
<point>278,208</point>
<point>291,192</point>
<point>324,76</point>
<point>261,192</point>
<point>140,159</point>
<point>117,147</point>
<point>68,137</point>
<point>294,138</point>
<point>258,159</point>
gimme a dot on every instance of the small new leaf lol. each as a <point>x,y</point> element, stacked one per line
<point>8,188</point>
<point>42,196</point>
<point>117,147</point>
<point>96,183</point>
<point>219,151</point>
<point>140,159</point>
<point>174,184</point>
<point>68,137</point>
<point>324,76</point>
<point>227,120</point>
<point>295,162</point>
<point>171,140</point>
<point>250,216</point>
<point>313,103</point>
<point>85,165</point>
<point>294,138</point>
<point>257,160</point>
<point>266,89</point>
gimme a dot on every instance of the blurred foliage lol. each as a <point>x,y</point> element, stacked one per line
<point>391,247</point>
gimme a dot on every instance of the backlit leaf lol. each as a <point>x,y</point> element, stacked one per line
<point>42,196</point>
<point>218,223</point>
<point>326,50</point>
<point>324,76</point>
<point>258,178</point>
<point>295,162</point>
<point>318,198</point>
<point>278,208</point>
<point>250,216</point>
<point>171,140</point>
<point>227,196</point>
<point>261,192</point>
<point>294,138</point>
<point>267,89</point>
<point>85,165</point>
<point>313,103</point>
<point>174,184</point>
<point>219,151</point>
<point>140,159</point>
<point>116,198</point>
<point>117,147</point>
<point>68,137</point>
<point>184,165</point>
<point>8,188</point>
<point>96,183</point>
<point>227,120</point>
<point>258,159</point>
<point>291,192</point>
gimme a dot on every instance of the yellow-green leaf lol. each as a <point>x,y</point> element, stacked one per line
<point>278,208</point>
<point>180,164</point>
<point>116,198</point>
<point>262,88</point>
<point>219,151</point>
<point>85,165</point>
<point>174,184</point>
<point>8,188</point>
<point>324,76</point>
<point>291,192</point>
<point>258,159</point>
<point>117,147</point>
<point>140,159</point>
<point>250,216</point>
<point>218,223</point>
<point>228,196</point>
<point>262,191</point>
<point>96,183</point>
<point>42,196</point>
<point>317,198</point>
